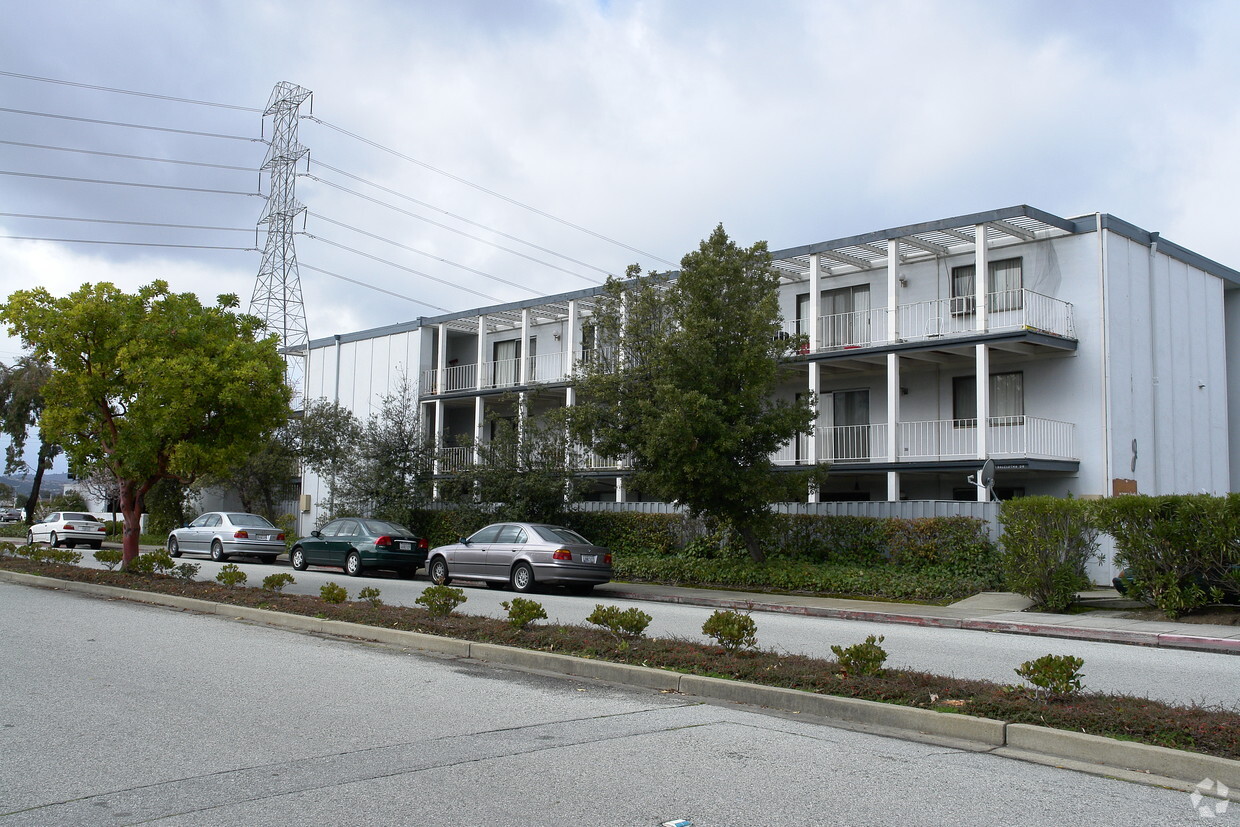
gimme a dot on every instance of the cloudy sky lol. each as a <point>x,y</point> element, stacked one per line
<point>532,146</point>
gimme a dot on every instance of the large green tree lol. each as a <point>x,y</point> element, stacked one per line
<point>21,404</point>
<point>151,385</point>
<point>684,385</point>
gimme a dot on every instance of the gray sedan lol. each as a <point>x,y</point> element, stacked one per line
<point>523,556</point>
<point>224,533</point>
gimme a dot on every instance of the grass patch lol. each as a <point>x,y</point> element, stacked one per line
<point>1208,730</point>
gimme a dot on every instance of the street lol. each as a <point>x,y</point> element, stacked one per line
<point>119,713</point>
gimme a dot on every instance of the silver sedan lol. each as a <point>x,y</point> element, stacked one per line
<point>224,533</point>
<point>523,556</point>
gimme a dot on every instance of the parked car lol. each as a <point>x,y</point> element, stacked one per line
<point>357,544</point>
<point>10,515</point>
<point>225,533</point>
<point>68,528</point>
<point>523,556</point>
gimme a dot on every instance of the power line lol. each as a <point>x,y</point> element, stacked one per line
<point>131,125</point>
<point>452,229</point>
<point>130,92</point>
<point>131,157</point>
<point>126,243</point>
<point>490,192</point>
<point>372,287</point>
<point>415,250</point>
<point>133,223</point>
<point>458,218</point>
<point>126,183</point>
<point>456,285</point>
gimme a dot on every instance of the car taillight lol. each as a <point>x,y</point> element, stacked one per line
<point>241,534</point>
<point>385,540</point>
<point>68,527</point>
<point>607,559</point>
<point>422,544</point>
<point>280,536</point>
<point>562,554</point>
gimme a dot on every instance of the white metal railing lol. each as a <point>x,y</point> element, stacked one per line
<point>502,373</point>
<point>455,459</point>
<point>936,440</point>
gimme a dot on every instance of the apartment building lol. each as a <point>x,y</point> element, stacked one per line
<point>1088,358</point>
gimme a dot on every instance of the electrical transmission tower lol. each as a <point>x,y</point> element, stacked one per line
<point>277,291</point>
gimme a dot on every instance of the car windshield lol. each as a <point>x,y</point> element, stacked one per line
<point>555,534</point>
<point>250,520</point>
<point>378,527</point>
<point>81,518</point>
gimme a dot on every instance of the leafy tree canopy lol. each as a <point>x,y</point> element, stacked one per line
<point>149,385</point>
<point>685,385</point>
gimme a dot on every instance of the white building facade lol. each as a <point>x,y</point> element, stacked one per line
<point>1091,359</point>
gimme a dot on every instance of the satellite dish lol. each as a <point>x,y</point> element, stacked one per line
<point>985,478</point>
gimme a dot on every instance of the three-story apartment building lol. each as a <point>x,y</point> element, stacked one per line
<point>1082,355</point>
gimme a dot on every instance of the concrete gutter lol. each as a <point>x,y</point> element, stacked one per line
<point>1158,766</point>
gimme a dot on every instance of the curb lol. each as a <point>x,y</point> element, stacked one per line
<point>1090,753</point>
<point>1229,646</point>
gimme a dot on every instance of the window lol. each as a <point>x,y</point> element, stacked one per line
<point>511,534</point>
<point>846,316</point>
<point>507,365</point>
<point>1003,286</point>
<point>485,535</point>
<point>1007,396</point>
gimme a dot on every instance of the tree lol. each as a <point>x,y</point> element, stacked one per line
<point>151,385</point>
<point>685,383</point>
<point>327,437</point>
<point>21,404</point>
<point>264,479</point>
<point>6,493</point>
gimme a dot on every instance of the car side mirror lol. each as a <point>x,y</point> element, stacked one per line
<point>315,533</point>
<point>463,541</point>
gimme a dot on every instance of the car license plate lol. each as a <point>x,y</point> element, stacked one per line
<point>589,558</point>
<point>403,546</point>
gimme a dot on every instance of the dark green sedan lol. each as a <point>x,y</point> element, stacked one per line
<point>357,544</point>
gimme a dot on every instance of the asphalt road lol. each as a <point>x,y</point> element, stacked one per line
<point>118,713</point>
<point>1172,675</point>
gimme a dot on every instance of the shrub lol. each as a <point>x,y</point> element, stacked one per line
<point>731,630</point>
<point>1047,543</point>
<point>1053,674</point>
<point>522,612</point>
<point>862,659</point>
<point>230,575</point>
<point>332,592</point>
<point>110,557</point>
<point>1178,550</point>
<point>67,556</point>
<point>186,571</point>
<point>277,582</point>
<point>955,544</point>
<point>441,601</point>
<point>371,595</point>
<point>622,623</point>
<point>152,562</point>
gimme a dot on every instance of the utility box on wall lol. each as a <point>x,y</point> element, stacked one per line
<point>305,503</point>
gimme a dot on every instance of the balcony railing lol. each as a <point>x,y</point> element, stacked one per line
<point>1008,437</point>
<point>501,373</point>
<point>939,318</point>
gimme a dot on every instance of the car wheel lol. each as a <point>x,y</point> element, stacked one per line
<point>217,552</point>
<point>438,572</point>
<point>353,564</point>
<point>522,578</point>
<point>54,542</point>
<point>30,538</point>
<point>298,559</point>
<point>174,548</point>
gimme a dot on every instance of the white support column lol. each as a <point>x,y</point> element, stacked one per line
<point>569,345</point>
<point>480,370</point>
<point>438,443</point>
<point>893,424</point>
<point>815,303</point>
<point>893,296</point>
<point>524,349</point>
<point>981,275</point>
<point>619,489</point>
<point>479,427</point>
<point>982,366</point>
<point>812,447</point>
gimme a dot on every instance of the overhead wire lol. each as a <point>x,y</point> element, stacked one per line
<point>132,223</point>
<point>127,183</point>
<point>130,157</point>
<point>127,243</point>
<point>483,189</point>
<point>129,92</point>
<point>133,125</point>
<point>305,266</point>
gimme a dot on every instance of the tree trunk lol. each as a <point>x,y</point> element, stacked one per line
<point>131,511</point>
<point>41,464</point>
<point>751,543</point>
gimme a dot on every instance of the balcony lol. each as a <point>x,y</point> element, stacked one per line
<point>502,373</point>
<point>942,440</point>
<point>1009,310</point>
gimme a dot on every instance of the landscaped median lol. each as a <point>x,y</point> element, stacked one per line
<point>709,673</point>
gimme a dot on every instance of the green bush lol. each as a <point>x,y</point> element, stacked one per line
<point>862,659</point>
<point>1178,550</point>
<point>622,623</point>
<point>1053,674</point>
<point>186,571</point>
<point>230,575</point>
<point>441,601</point>
<point>153,562</point>
<point>332,592</point>
<point>1047,543</point>
<point>276,582</point>
<point>522,612</point>
<point>110,557</point>
<point>370,595</point>
<point>731,630</point>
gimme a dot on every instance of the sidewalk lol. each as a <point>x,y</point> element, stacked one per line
<point>988,611</point>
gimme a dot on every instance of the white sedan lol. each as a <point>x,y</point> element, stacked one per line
<point>68,528</point>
